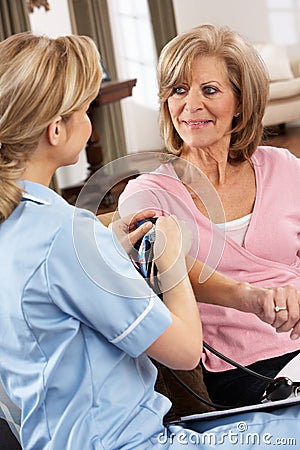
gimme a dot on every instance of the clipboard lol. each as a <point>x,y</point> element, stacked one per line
<point>187,421</point>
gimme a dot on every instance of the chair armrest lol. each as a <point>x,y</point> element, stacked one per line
<point>109,217</point>
<point>10,412</point>
<point>295,66</point>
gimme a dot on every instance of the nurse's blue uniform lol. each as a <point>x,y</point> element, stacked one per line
<point>75,320</point>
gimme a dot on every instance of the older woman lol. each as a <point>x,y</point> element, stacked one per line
<point>240,199</point>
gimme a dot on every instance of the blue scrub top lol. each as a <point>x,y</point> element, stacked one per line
<point>75,320</point>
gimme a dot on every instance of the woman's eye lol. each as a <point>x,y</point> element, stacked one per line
<point>179,90</point>
<point>210,90</point>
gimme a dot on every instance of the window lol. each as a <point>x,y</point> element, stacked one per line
<point>136,58</point>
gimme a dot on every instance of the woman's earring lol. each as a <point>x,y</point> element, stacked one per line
<point>237,114</point>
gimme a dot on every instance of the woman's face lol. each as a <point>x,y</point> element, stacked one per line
<point>202,110</point>
<point>78,131</point>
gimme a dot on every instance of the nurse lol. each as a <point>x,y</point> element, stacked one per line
<point>77,320</point>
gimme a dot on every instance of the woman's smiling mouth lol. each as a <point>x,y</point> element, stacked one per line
<point>196,123</point>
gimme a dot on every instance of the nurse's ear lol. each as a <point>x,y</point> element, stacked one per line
<point>54,131</point>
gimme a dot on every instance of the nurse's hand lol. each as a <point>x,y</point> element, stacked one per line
<point>172,243</point>
<point>127,231</point>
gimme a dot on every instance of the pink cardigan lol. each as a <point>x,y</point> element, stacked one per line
<point>269,258</point>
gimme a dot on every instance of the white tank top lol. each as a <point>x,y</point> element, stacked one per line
<point>237,228</point>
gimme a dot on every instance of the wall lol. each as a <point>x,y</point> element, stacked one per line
<point>276,21</point>
<point>53,23</point>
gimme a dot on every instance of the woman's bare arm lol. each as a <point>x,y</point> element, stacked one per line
<point>224,291</point>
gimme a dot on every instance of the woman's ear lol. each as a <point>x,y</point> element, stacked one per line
<point>54,131</point>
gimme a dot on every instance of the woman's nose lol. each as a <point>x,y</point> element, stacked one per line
<point>194,101</point>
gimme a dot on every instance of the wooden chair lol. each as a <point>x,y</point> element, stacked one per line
<point>109,217</point>
<point>11,416</point>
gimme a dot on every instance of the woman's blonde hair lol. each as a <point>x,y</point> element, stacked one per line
<point>40,78</point>
<point>247,75</point>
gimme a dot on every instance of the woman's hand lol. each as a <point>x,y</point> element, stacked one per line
<point>127,231</point>
<point>280,307</point>
<point>223,291</point>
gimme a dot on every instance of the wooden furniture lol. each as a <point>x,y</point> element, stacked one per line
<point>110,91</point>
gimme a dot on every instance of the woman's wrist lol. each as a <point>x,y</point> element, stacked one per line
<point>227,293</point>
<point>243,297</point>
